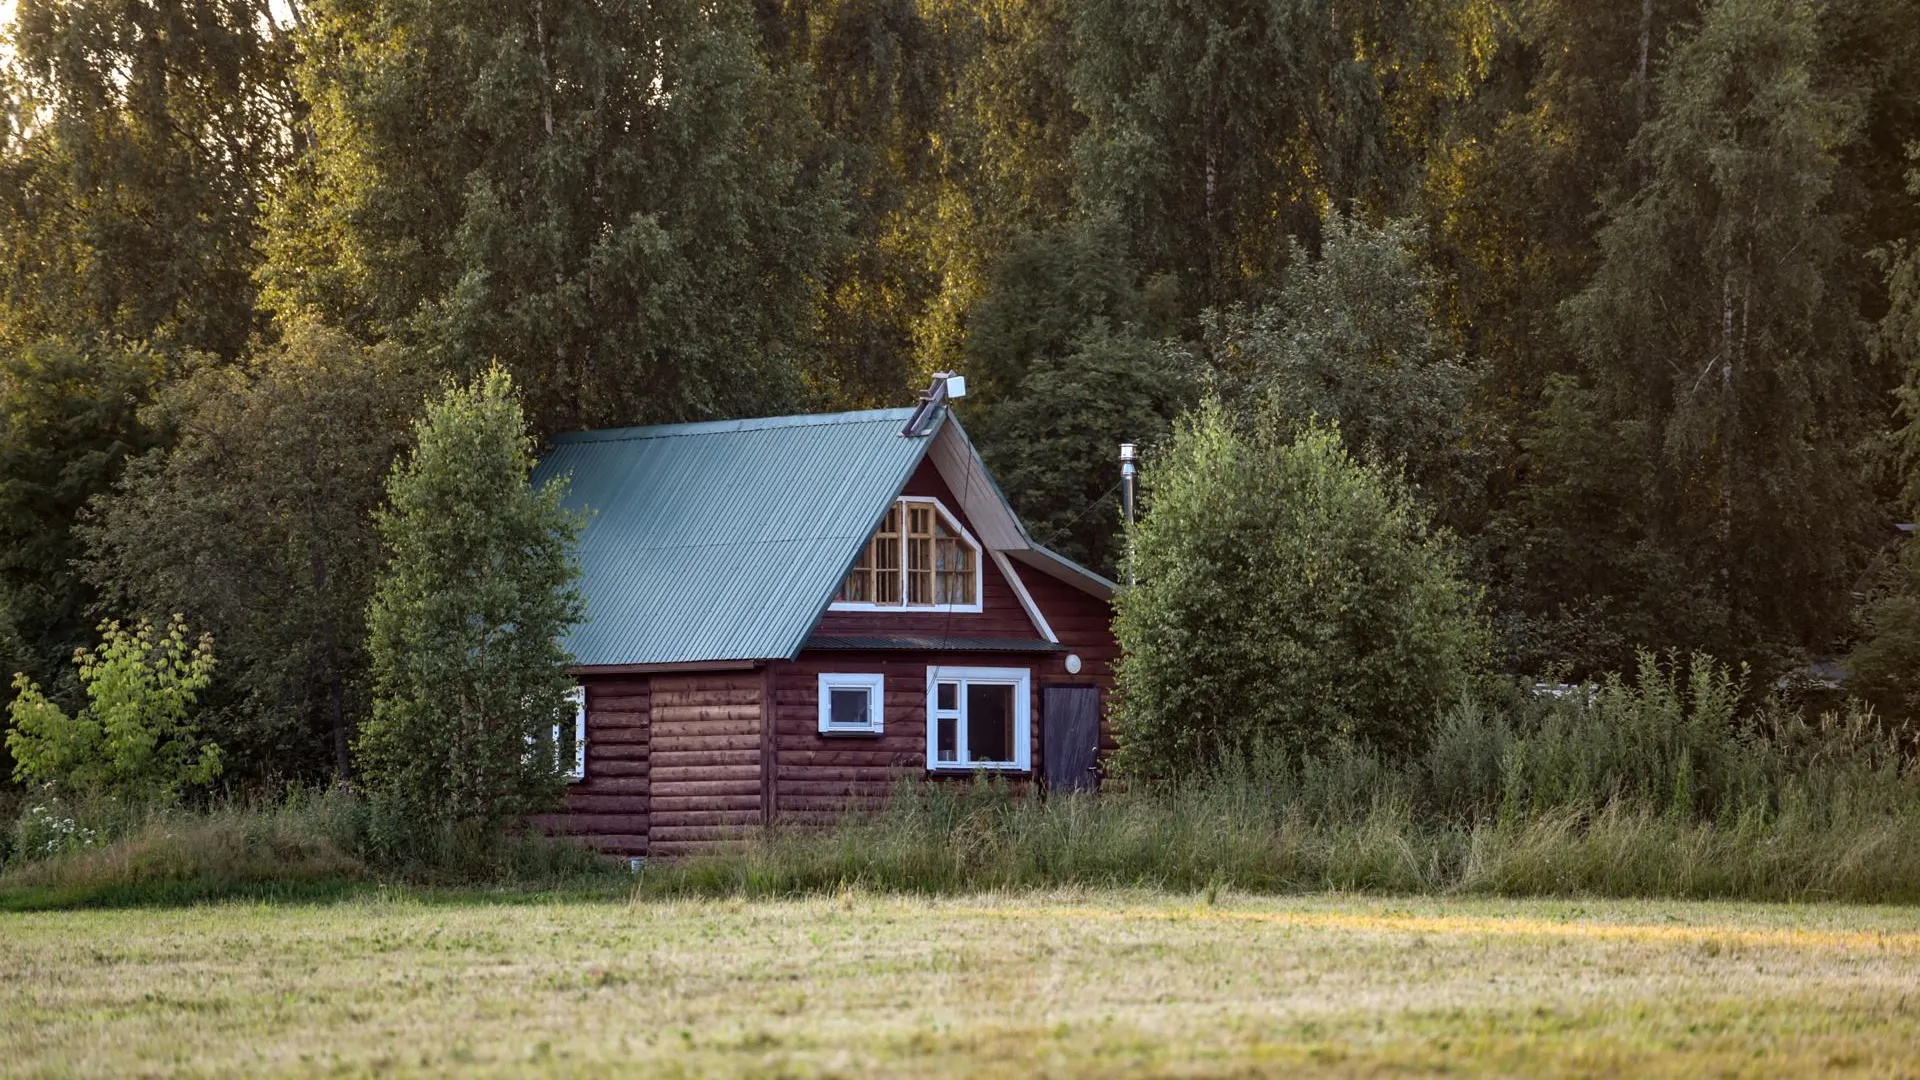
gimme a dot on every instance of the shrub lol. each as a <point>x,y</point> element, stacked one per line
<point>135,737</point>
<point>469,675</point>
<point>1285,594</point>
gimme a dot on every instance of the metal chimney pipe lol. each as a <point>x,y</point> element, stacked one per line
<point>1126,493</point>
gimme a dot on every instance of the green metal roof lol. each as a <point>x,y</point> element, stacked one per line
<point>723,541</point>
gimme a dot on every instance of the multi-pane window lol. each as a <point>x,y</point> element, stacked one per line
<point>918,557</point>
<point>875,577</point>
<point>978,718</point>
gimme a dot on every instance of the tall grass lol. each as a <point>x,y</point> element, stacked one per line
<point>302,844</point>
<point>1662,785</point>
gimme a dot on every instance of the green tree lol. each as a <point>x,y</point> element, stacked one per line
<point>1718,330</point>
<point>1049,293</point>
<point>1349,339</point>
<point>1885,666</point>
<point>466,621</point>
<point>613,201</point>
<point>1217,130</point>
<point>135,738</point>
<point>1066,348</point>
<point>69,420</point>
<point>1286,594</point>
<point>258,524</point>
<point>138,139</point>
<point>1053,445</point>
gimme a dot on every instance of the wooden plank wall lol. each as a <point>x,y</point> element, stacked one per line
<point>1000,616</point>
<point>705,762</point>
<point>1084,624</point>
<point>609,807</point>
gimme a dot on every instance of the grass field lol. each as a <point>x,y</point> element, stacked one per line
<point>1059,984</point>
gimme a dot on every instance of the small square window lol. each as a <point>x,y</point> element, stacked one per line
<point>852,704</point>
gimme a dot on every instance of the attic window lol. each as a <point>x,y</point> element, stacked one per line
<point>919,557</point>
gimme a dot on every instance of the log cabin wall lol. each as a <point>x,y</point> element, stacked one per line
<point>819,777</point>
<point>706,759</point>
<point>609,806</point>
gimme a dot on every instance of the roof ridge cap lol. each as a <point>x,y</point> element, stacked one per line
<point>722,427</point>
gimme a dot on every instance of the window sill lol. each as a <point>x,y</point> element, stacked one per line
<point>967,770</point>
<point>852,733</point>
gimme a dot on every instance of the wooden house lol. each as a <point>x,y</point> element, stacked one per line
<point>785,615</point>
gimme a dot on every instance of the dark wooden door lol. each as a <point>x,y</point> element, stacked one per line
<point>1071,743</point>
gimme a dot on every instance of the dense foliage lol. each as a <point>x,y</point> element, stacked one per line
<point>1287,595</point>
<point>257,523</point>
<point>136,738</point>
<point>1625,290</point>
<point>469,676</point>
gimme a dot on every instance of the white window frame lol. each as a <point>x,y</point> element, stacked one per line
<point>876,688</point>
<point>578,772</point>
<point>979,564</point>
<point>1021,679</point>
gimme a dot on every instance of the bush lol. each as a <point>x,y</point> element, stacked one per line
<point>1286,594</point>
<point>134,739</point>
<point>469,675</point>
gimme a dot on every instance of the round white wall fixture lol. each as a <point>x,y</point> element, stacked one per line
<point>1073,663</point>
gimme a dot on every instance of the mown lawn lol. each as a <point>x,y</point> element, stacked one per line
<point>1060,984</point>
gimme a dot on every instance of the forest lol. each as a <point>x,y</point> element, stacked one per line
<point>1625,290</point>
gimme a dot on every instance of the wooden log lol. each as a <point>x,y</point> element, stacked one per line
<point>598,765</point>
<point>610,787</point>
<point>664,805</point>
<point>619,785</point>
<point>739,785</point>
<point>728,698</point>
<point>701,753</point>
<point>626,736</point>
<point>607,701</point>
<point>835,759</point>
<point>702,780</point>
<point>703,775</point>
<point>601,823</point>
<point>667,730</point>
<point>625,844</point>
<point>709,826</point>
<point>617,748</point>
<point>607,804</point>
<point>871,785</point>
<point>706,741</point>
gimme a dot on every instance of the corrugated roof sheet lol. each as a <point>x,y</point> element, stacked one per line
<point>697,548</point>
